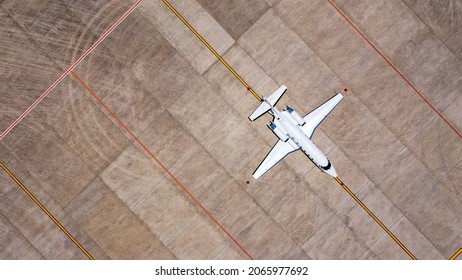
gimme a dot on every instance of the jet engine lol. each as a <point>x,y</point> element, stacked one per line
<point>298,119</point>
<point>279,132</point>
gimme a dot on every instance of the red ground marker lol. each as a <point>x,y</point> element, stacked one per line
<point>162,166</point>
<point>396,69</point>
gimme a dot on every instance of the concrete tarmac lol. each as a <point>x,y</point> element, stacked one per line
<point>387,144</point>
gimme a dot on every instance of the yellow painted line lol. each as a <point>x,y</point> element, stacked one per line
<point>260,99</point>
<point>44,209</point>
<point>212,50</point>
<point>375,218</point>
<point>151,154</point>
<point>456,254</point>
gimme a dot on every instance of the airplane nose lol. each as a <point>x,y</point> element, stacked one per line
<point>331,171</point>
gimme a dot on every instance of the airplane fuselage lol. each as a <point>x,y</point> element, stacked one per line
<point>289,125</point>
<point>294,132</point>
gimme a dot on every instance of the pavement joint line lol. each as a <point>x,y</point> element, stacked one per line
<point>70,70</point>
<point>421,95</point>
<point>64,75</point>
<point>44,209</point>
<point>377,220</point>
<point>260,99</point>
<point>145,148</point>
<point>243,82</point>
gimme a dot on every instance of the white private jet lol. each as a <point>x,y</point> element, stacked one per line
<point>294,132</point>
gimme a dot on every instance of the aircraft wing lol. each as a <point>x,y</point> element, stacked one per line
<point>313,119</point>
<point>279,151</point>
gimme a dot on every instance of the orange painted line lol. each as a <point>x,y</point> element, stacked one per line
<point>162,166</point>
<point>396,69</point>
<point>44,209</point>
<point>64,75</point>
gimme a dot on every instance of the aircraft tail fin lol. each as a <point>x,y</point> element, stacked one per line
<point>264,106</point>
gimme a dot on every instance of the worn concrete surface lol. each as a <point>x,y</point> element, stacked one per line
<point>388,146</point>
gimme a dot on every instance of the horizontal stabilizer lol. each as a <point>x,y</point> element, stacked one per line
<point>268,103</point>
